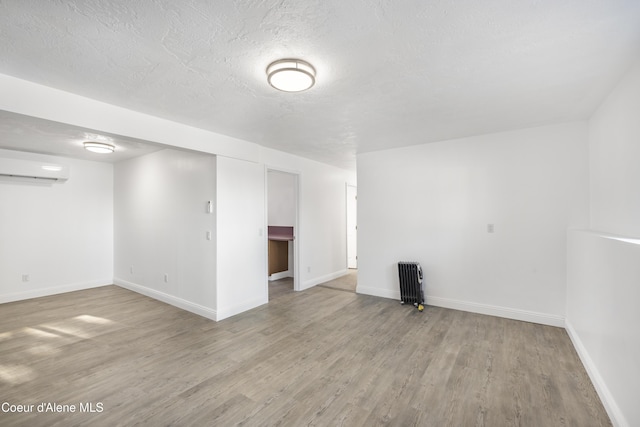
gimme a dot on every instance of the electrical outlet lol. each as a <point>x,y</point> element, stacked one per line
<point>131,269</point>
<point>25,278</point>
<point>308,269</point>
<point>489,228</point>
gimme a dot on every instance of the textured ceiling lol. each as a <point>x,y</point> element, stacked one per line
<point>389,74</point>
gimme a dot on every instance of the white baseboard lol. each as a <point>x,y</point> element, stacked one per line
<point>317,280</point>
<point>240,308</point>
<point>169,299</point>
<point>280,275</point>
<point>494,310</point>
<point>613,410</point>
<point>491,310</point>
<point>53,290</point>
<point>378,292</point>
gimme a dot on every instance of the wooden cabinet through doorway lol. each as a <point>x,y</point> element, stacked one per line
<point>278,256</point>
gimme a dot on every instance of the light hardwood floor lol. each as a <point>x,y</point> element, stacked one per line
<point>318,357</point>
<point>348,282</point>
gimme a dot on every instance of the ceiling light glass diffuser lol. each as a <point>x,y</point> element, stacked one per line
<point>99,147</point>
<point>291,75</point>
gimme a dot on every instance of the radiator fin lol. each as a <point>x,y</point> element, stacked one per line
<point>411,289</point>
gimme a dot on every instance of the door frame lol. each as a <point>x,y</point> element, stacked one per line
<point>297,236</point>
<point>355,189</point>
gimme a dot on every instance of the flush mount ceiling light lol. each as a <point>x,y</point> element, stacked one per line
<point>291,75</point>
<point>99,147</point>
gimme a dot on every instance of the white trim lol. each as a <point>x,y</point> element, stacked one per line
<point>609,403</point>
<point>297,184</point>
<point>297,231</point>
<point>346,201</point>
<point>54,290</point>
<point>473,307</point>
<point>378,292</point>
<point>169,299</point>
<point>240,308</point>
<point>494,310</point>
<point>280,275</point>
<point>317,280</point>
<point>627,239</point>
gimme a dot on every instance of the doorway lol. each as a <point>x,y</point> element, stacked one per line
<point>352,227</point>
<point>283,232</point>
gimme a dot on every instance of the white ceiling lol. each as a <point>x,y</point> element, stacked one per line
<point>24,133</point>
<point>389,73</point>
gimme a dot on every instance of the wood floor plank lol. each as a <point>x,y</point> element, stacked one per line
<point>319,357</point>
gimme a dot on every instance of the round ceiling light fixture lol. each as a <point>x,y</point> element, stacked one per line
<point>99,147</point>
<point>291,75</point>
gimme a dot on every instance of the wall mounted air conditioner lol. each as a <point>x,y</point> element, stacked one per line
<point>29,169</point>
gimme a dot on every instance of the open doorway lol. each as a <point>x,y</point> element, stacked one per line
<point>349,281</point>
<point>352,227</point>
<point>282,222</point>
<point>352,235</point>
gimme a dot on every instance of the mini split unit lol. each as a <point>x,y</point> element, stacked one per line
<point>28,169</point>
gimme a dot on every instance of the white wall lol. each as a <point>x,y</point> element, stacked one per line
<point>432,204</point>
<point>321,203</point>
<point>603,318</point>
<point>32,99</point>
<point>320,262</point>
<point>321,237</point>
<point>242,228</point>
<point>60,234</point>
<point>160,228</point>
<point>242,236</point>
<point>281,199</point>
<point>614,152</point>
<point>352,226</point>
<point>603,282</point>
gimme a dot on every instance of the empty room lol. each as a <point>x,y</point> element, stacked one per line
<point>218,213</point>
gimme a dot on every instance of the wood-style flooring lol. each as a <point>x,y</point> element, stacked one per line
<point>319,357</point>
<point>348,282</point>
